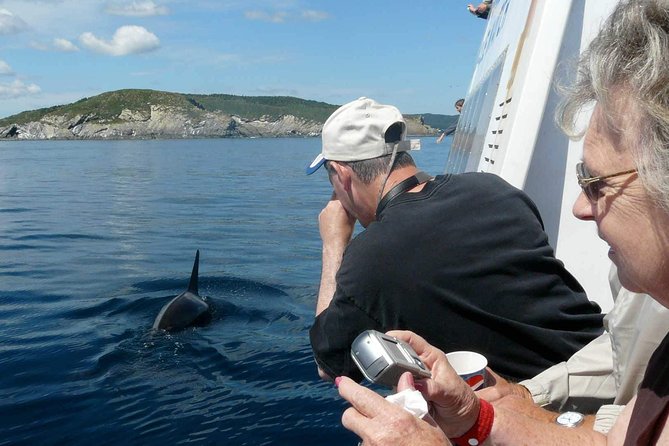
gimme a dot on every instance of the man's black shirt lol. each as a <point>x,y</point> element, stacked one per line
<point>464,263</point>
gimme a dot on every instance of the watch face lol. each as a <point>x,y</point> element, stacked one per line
<point>569,419</point>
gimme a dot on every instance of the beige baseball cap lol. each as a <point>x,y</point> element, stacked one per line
<point>356,131</point>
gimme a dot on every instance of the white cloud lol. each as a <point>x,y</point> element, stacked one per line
<point>202,58</point>
<point>57,44</point>
<point>17,88</point>
<point>64,45</point>
<point>277,17</point>
<point>10,23</point>
<point>5,69</point>
<point>143,8</point>
<point>282,16</point>
<point>126,40</point>
<point>50,18</point>
<point>315,16</point>
<point>39,46</point>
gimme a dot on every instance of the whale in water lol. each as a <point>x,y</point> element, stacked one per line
<point>187,309</point>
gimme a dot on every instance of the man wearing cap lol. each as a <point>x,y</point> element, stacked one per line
<point>460,259</point>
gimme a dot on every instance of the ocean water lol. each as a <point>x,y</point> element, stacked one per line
<point>96,236</point>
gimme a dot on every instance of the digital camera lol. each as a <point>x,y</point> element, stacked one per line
<point>382,358</point>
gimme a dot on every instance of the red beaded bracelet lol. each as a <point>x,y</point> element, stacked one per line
<point>480,431</point>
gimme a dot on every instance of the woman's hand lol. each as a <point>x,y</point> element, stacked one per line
<point>454,405</point>
<point>379,422</point>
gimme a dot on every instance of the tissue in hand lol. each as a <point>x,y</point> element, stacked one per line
<point>411,400</point>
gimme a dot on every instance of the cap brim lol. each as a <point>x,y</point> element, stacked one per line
<point>315,164</point>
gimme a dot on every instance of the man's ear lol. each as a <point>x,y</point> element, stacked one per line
<point>342,174</point>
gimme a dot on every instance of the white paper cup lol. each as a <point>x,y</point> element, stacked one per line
<point>470,366</point>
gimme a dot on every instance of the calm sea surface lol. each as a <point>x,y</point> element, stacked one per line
<point>95,237</point>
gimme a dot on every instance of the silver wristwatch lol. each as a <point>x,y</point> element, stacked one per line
<point>570,419</point>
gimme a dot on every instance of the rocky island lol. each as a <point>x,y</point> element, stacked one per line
<point>150,114</point>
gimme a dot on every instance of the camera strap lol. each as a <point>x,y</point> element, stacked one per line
<point>400,188</point>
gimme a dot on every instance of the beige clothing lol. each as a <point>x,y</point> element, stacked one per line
<point>604,375</point>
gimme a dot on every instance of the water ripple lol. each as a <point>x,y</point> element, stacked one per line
<point>14,210</point>
<point>60,237</point>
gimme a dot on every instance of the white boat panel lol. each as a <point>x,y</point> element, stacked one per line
<point>507,125</point>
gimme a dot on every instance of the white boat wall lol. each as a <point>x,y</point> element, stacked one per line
<point>507,125</point>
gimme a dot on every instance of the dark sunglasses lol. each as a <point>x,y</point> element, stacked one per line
<point>592,186</point>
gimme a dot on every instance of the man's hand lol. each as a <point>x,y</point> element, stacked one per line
<point>336,228</point>
<point>455,405</point>
<point>381,423</point>
<point>335,224</point>
<point>498,388</point>
<point>478,10</point>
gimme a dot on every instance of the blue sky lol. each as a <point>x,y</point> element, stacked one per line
<point>418,55</point>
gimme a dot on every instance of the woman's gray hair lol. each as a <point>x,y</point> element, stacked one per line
<point>629,61</point>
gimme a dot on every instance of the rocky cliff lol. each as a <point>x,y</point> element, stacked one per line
<point>169,116</point>
<point>159,122</point>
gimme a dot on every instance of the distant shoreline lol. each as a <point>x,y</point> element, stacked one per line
<point>425,135</point>
<point>150,114</point>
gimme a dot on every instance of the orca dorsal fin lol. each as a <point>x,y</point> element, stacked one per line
<point>192,286</point>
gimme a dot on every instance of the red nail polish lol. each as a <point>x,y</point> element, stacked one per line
<point>337,381</point>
